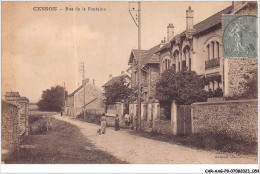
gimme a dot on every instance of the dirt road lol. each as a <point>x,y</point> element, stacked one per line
<point>139,150</point>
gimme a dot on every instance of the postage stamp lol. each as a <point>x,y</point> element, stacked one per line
<point>239,36</point>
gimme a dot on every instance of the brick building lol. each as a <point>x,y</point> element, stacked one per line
<point>149,71</point>
<point>199,48</point>
<point>94,100</point>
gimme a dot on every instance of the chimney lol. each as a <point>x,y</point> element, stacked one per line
<point>170,32</point>
<point>189,19</point>
<point>122,73</point>
<point>84,81</point>
<point>110,76</point>
<point>162,42</point>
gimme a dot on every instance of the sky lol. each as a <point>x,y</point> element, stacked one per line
<point>42,49</point>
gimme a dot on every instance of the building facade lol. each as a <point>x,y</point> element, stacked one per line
<point>88,96</point>
<point>199,48</point>
<point>149,71</point>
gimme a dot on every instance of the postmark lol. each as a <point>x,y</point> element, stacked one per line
<point>239,36</point>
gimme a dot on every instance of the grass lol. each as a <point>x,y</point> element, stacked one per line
<point>209,142</point>
<point>62,144</point>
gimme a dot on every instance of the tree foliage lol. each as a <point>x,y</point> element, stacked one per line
<point>52,99</point>
<point>117,92</point>
<point>185,87</point>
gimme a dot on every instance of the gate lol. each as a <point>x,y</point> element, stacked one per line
<point>183,119</point>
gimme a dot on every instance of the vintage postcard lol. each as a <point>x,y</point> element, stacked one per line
<point>87,82</point>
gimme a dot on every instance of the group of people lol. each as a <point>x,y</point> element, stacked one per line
<point>104,123</point>
<point>128,122</point>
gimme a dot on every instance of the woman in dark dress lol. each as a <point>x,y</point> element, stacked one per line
<point>117,123</point>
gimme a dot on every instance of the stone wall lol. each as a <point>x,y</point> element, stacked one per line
<point>234,118</point>
<point>163,127</point>
<point>237,68</point>
<point>97,106</point>
<point>9,128</point>
<point>146,125</point>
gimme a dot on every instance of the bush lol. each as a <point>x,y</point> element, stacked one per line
<point>117,92</point>
<point>90,117</point>
<point>38,124</point>
<point>216,93</point>
<point>185,87</point>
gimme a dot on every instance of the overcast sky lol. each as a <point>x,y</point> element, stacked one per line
<point>43,49</point>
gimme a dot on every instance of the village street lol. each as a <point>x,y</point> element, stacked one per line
<point>139,150</point>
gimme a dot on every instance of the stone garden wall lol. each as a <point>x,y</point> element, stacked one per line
<point>235,118</point>
<point>9,128</point>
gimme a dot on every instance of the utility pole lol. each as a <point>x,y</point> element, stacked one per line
<point>138,24</point>
<point>64,97</point>
<point>82,71</point>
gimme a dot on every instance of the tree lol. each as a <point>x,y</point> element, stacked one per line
<point>117,92</point>
<point>52,99</point>
<point>185,87</point>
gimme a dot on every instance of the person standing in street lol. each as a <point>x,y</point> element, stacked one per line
<point>103,121</point>
<point>117,127</point>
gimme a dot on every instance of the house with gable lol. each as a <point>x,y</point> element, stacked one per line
<point>92,99</point>
<point>117,79</point>
<point>149,71</point>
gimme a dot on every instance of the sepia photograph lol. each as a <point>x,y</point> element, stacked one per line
<point>139,82</point>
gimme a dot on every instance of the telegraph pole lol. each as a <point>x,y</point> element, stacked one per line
<point>139,66</point>
<point>82,71</point>
<point>64,97</point>
<point>138,24</point>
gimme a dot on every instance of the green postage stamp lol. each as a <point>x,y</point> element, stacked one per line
<point>239,36</point>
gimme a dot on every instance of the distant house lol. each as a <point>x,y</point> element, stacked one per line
<point>117,79</point>
<point>93,100</point>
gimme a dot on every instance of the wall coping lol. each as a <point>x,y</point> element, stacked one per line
<point>226,102</point>
<point>8,103</point>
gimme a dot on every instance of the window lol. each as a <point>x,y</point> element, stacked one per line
<point>145,77</point>
<point>166,63</point>
<point>213,50</point>
<point>187,58</point>
<point>217,45</point>
<point>136,77</point>
<point>176,60</point>
<point>208,52</point>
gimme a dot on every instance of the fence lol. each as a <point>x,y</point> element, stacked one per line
<point>180,122</point>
